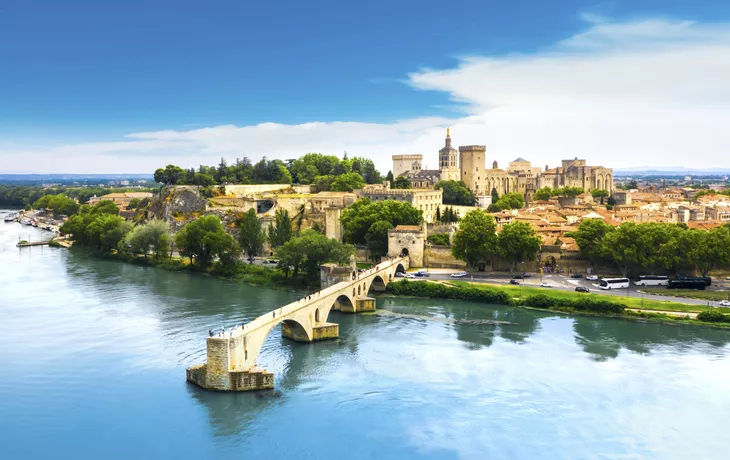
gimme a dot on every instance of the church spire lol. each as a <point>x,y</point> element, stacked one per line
<point>448,132</point>
<point>448,138</point>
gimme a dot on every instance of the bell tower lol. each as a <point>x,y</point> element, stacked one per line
<point>449,159</point>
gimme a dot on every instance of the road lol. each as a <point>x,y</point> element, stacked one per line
<point>564,283</point>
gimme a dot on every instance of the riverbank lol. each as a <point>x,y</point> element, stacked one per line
<point>241,272</point>
<point>562,302</point>
<point>711,295</point>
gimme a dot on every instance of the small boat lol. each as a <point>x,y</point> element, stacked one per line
<point>12,217</point>
<point>26,221</point>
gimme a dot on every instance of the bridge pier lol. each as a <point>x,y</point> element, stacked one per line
<point>323,331</point>
<point>362,303</point>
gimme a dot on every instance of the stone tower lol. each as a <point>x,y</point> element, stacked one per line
<point>473,159</point>
<point>449,160</point>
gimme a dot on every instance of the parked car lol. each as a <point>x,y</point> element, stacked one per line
<point>576,276</point>
<point>581,289</point>
<point>409,275</point>
<point>592,278</point>
<point>517,277</point>
<point>514,281</point>
<point>725,303</point>
<point>544,284</point>
<point>458,275</point>
<point>271,261</point>
<point>423,273</point>
<point>400,275</point>
<point>526,275</point>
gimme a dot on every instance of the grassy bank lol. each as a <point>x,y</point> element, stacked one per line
<point>689,293</point>
<point>629,302</point>
<point>558,301</point>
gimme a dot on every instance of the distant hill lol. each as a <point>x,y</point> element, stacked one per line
<point>67,179</point>
<point>670,171</point>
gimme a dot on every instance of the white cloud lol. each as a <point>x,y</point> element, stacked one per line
<point>618,94</point>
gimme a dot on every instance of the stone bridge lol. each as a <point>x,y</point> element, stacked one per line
<point>231,357</point>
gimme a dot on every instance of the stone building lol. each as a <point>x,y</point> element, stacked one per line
<point>575,173</point>
<point>469,164</point>
<point>408,240</point>
<point>426,199</point>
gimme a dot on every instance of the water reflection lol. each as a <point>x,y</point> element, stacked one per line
<point>603,338</point>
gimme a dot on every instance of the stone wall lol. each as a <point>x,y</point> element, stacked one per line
<point>330,275</point>
<point>243,190</point>
<point>441,257</point>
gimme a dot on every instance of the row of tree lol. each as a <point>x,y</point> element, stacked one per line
<point>26,196</point>
<point>205,240</point>
<point>324,172</point>
<point>477,241</point>
<point>546,193</point>
<point>653,248</point>
<point>507,201</point>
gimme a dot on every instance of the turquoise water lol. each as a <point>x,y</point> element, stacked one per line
<point>93,357</point>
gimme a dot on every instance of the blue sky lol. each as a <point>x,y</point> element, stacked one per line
<point>80,80</point>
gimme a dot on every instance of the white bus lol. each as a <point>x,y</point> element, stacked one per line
<point>651,280</point>
<point>614,283</point>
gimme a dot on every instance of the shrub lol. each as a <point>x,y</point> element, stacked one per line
<point>439,239</point>
<point>713,316</point>
<point>440,291</point>
<point>540,301</point>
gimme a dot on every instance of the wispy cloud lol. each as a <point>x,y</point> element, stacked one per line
<point>618,93</point>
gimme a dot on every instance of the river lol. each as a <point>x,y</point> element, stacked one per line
<point>94,353</point>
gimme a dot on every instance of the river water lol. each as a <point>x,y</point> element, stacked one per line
<point>93,356</point>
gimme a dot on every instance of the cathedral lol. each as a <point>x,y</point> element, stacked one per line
<point>469,165</point>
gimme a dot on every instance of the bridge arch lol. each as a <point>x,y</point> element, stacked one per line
<point>343,302</point>
<point>400,269</point>
<point>294,329</point>
<point>377,284</point>
<point>316,315</point>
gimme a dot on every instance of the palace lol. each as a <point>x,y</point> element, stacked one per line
<point>469,165</point>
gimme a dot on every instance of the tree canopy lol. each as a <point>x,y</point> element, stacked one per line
<point>204,239</point>
<point>150,236</point>
<point>251,234</point>
<point>508,201</point>
<point>456,192</point>
<point>309,250</point>
<point>654,247</point>
<point>518,242</point>
<point>401,182</point>
<point>358,218</point>
<point>59,204</point>
<point>476,240</point>
<point>281,230</point>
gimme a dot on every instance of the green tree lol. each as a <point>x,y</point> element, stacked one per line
<point>309,250</point>
<point>449,216</point>
<point>389,176</point>
<point>589,238</point>
<point>456,192</point>
<point>58,204</point>
<point>476,240</point>
<point>518,242</point>
<point>439,239</point>
<point>170,175</point>
<point>251,234</point>
<point>133,203</point>
<point>510,201</point>
<point>323,183</point>
<point>151,236</point>
<point>204,239</point>
<point>544,193</point>
<point>377,239</point>
<point>347,182</point>
<point>495,196</point>
<point>106,231</point>
<point>599,194</point>
<point>281,231</point>
<point>706,250</point>
<point>362,214</point>
<point>401,182</point>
